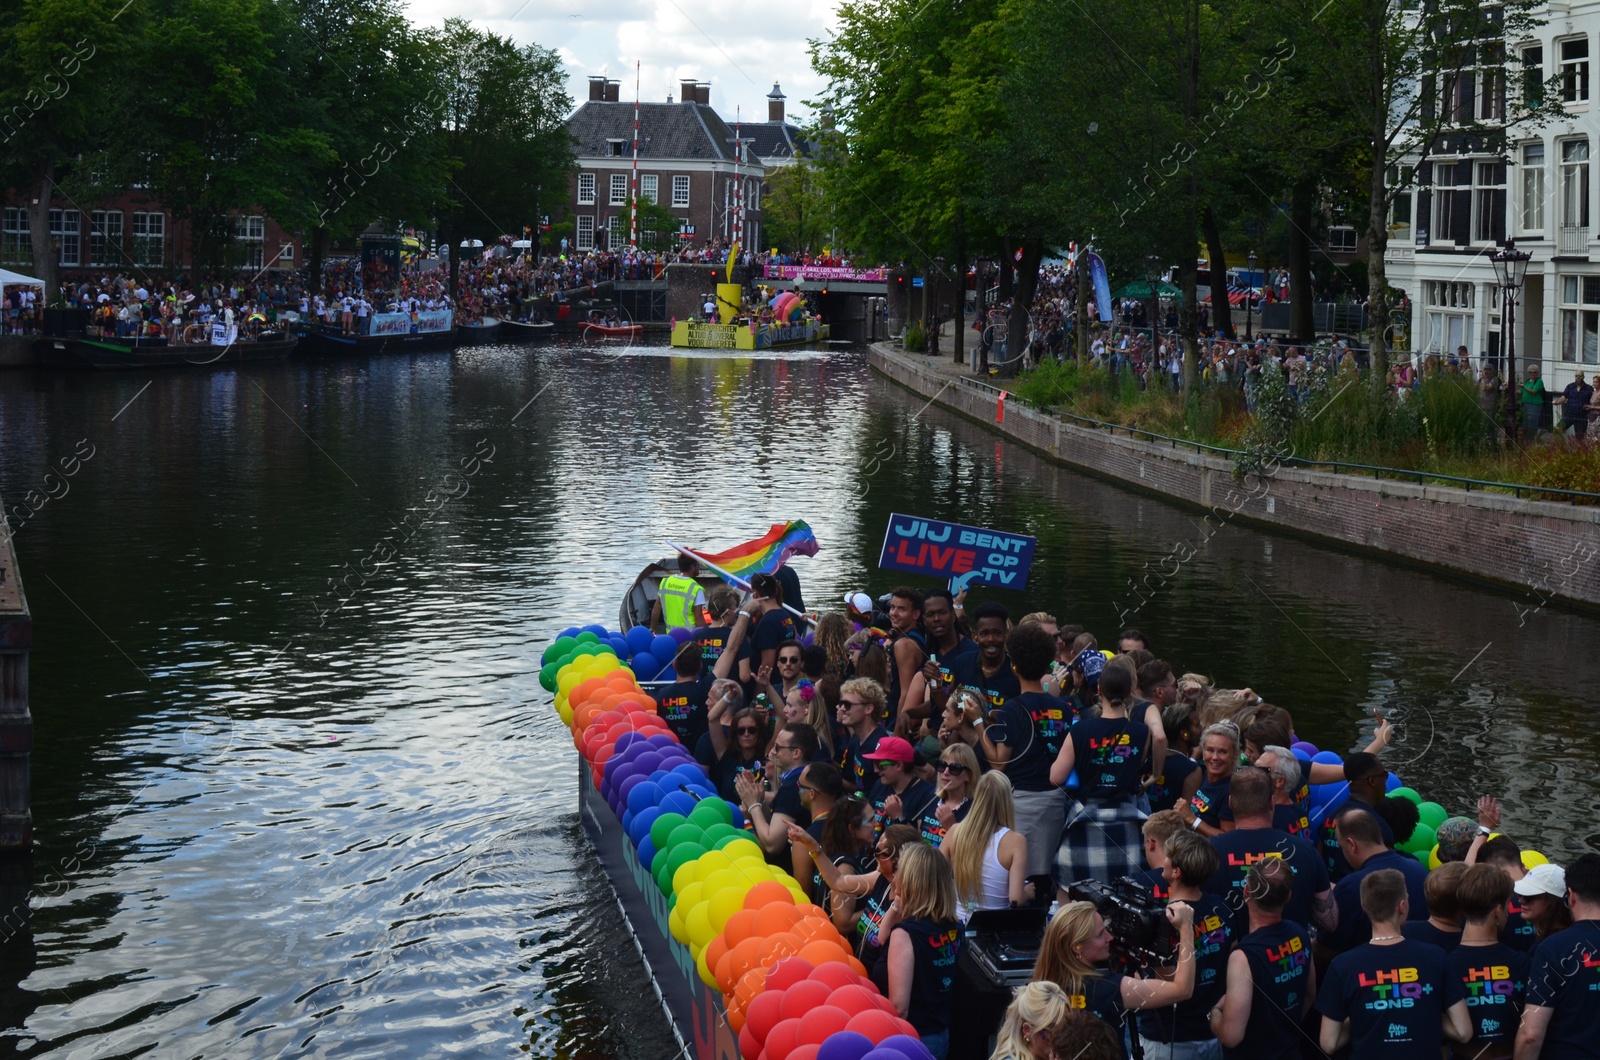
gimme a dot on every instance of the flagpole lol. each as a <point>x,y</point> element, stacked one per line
<point>734,578</point>
<point>633,195</point>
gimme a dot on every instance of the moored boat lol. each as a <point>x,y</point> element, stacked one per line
<point>84,352</point>
<point>480,334</point>
<point>526,331</point>
<point>610,331</point>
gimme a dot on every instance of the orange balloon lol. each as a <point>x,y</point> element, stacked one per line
<point>747,955</point>
<point>821,952</point>
<point>774,919</point>
<point>808,910</point>
<point>583,690</point>
<point>715,950</point>
<point>722,972</point>
<point>736,1014</point>
<point>741,926</point>
<point>860,969</point>
<point>780,946</point>
<point>768,892</point>
<point>813,928</point>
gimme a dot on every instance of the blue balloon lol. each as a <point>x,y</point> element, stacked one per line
<point>678,802</point>
<point>647,851</point>
<point>738,816</point>
<point>663,648</point>
<point>619,646</point>
<point>643,796</point>
<point>570,631</point>
<point>1329,758</point>
<point>645,666</point>
<point>649,762</point>
<point>692,770</point>
<point>1302,754</point>
<point>599,631</point>
<point>639,828</point>
<point>627,819</point>
<point>1391,782</point>
<point>639,638</point>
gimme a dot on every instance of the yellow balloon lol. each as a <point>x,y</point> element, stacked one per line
<point>1530,858</point>
<point>707,975</point>
<point>1433,857</point>
<point>747,857</point>
<point>566,715</point>
<point>724,904</point>
<point>683,877</point>
<point>713,861</point>
<point>698,925</point>
<point>691,895</point>
<point>676,925</point>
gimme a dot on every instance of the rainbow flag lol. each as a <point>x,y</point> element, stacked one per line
<point>766,553</point>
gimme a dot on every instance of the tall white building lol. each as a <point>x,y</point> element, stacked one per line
<point>1467,201</point>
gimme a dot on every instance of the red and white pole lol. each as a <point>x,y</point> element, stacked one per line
<point>633,197</point>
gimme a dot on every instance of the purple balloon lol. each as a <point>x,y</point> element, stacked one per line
<point>662,740</point>
<point>627,740</point>
<point>681,635</point>
<point>1306,746</point>
<point>912,1048</point>
<point>845,1045</point>
<point>648,762</point>
<point>885,1053</point>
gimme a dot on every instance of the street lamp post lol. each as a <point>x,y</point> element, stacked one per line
<point>1510,266</point>
<point>1153,269</point>
<point>1249,306</point>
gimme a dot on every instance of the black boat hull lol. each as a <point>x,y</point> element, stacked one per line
<point>75,352</point>
<point>333,344</point>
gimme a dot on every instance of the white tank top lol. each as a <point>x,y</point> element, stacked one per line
<point>995,880</point>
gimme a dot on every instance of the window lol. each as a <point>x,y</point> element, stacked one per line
<point>1492,83</point>
<point>286,252</point>
<point>1574,69</point>
<point>1342,239</point>
<point>1450,315</point>
<point>1533,76</point>
<point>1580,319</point>
<point>1531,219</point>
<point>149,238</point>
<point>585,189</point>
<point>1452,202</point>
<point>105,237</point>
<point>1489,203</point>
<point>66,232</point>
<point>1459,96</point>
<point>619,189</point>
<point>614,148</point>
<point>16,245</point>
<point>1575,183</point>
<point>755,195</point>
<point>617,232</point>
<point>250,233</point>
<point>680,191</point>
<point>585,233</point>
<point>650,188</point>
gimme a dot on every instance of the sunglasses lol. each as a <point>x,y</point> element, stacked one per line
<point>848,704</point>
<point>747,730</point>
<point>884,855</point>
<point>952,767</point>
<point>791,661</point>
<point>882,765</point>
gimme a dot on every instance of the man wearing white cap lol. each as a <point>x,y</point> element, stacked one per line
<point>1562,1020</point>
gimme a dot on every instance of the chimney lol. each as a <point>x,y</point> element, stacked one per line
<point>775,100</point>
<point>702,92</point>
<point>597,89</point>
<point>613,90</point>
<point>686,90</point>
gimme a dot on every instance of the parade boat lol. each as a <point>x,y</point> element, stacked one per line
<point>526,331</point>
<point>610,331</point>
<point>640,599</point>
<point>480,334</point>
<point>83,352</point>
<point>785,320</point>
<point>430,329</point>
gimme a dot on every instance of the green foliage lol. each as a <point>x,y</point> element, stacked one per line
<point>916,339</point>
<point>1566,465</point>
<point>794,210</point>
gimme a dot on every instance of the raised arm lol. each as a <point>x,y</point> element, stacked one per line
<point>843,882</point>
<point>1158,737</point>
<point>730,652</point>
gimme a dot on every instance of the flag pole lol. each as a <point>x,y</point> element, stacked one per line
<point>734,578</point>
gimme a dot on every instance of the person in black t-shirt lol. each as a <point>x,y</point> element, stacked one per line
<point>916,970</point>
<point>1494,975</point>
<point>1219,752</point>
<point>945,644</point>
<point>1271,977</point>
<point>772,626</point>
<point>682,704</point>
<point>899,796</point>
<point>1443,926</point>
<point>907,654</point>
<point>723,603</point>
<point>861,704</point>
<point>1392,998</point>
<point>792,749</point>
<point>1365,777</point>
<point>988,669</point>
<point>1100,839</point>
<point>1190,862</point>
<point>1562,1020</point>
<point>1023,737</point>
<point>1364,848</point>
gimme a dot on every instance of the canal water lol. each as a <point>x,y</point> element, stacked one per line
<point>297,789</point>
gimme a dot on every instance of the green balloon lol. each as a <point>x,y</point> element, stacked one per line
<point>662,827</point>
<point>688,832</point>
<point>547,676</point>
<point>587,637</point>
<point>716,833</point>
<point>1423,855</point>
<point>681,855</point>
<point>725,839</point>
<point>1433,815</point>
<point>1421,840</point>
<point>1406,793</point>
<point>711,812</point>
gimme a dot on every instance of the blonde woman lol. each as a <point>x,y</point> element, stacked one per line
<point>1028,1030</point>
<point>922,940</point>
<point>955,777</point>
<point>988,856</point>
<point>1076,942</point>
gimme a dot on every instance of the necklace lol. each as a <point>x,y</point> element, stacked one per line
<point>1386,938</point>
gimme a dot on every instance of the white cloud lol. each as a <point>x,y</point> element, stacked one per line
<point>741,49</point>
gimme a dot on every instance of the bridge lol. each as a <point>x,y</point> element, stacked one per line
<point>830,278</point>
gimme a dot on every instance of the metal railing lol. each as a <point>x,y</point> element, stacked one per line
<point>1572,240</point>
<point>1338,467</point>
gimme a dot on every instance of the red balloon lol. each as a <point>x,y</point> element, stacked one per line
<point>883,1003</point>
<point>787,973</point>
<point>749,1048</point>
<point>783,1038</point>
<point>835,975</point>
<point>802,997</point>
<point>821,1022</point>
<point>853,999</point>
<point>763,1013</point>
<point>876,1025</point>
<point>804,1051</point>
<point>907,1028</point>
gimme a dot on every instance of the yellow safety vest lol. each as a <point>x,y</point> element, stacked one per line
<point>677,601</point>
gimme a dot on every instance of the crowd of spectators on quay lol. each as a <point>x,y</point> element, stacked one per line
<point>1317,904</point>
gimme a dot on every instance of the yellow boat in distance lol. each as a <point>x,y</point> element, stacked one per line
<point>791,325</point>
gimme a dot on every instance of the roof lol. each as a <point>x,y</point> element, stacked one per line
<point>666,131</point>
<point>775,139</point>
<point>16,279</point>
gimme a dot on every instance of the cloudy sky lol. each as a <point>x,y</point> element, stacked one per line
<point>740,48</point>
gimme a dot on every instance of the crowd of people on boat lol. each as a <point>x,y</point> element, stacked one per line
<point>915,763</point>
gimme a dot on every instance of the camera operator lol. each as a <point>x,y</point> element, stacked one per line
<point>1182,1032</point>
<point>1272,961</point>
<point>1077,943</point>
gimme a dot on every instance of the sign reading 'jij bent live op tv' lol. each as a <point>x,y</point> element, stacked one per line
<point>950,550</point>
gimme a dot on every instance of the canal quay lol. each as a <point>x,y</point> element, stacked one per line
<point>277,810</point>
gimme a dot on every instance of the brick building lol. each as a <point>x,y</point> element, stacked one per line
<point>689,162</point>
<point>130,231</point>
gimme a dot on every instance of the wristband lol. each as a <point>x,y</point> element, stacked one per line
<point>1196,824</point>
<point>1484,831</point>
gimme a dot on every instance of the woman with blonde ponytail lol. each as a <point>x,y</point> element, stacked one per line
<point>1101,762</point>
<point>988,856</point>
<point>1028,1030</point>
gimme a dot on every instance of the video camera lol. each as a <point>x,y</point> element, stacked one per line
<point>1141,935</point>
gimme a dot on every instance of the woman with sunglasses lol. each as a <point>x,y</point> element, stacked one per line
<point>988,855</point>
<point>873,887</point>
<point>745,753</point>
<point>954,776</point>
<point>846,841</point>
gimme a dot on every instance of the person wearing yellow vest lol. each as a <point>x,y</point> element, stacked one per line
<point>681,603</point>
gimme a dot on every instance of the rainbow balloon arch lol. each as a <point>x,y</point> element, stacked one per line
<point>750,930</point>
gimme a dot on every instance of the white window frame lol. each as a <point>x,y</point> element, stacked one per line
<point>105,237</point>
<point>1580,312</point>
<point>149,237</point>
<point>680,192</point>
<point>67,226</point>
<point>250,233</point>
<point>1342,239</point>
<point>1575,193</point>
<point>1487,200</point>
<point>1530,214</point>
<point>583,232</point>
<point>1574,69</point>
<point>618,190</point>
<point>16,236</point>
<point>285,251</point>
<point>650,187</point>
<point>585,189</point>
<point>1451,315</point>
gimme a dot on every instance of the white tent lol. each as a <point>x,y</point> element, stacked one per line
<point>16,279</point>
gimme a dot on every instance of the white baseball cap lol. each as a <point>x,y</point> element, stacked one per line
<point>859,602</point>
<point>1543,879</point>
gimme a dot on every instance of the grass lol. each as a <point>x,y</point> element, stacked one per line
<point>1438,429</point>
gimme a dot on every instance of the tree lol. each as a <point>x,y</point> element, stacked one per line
<point>794,210</point>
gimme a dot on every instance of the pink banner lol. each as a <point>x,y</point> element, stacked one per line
<point>825,272</point>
